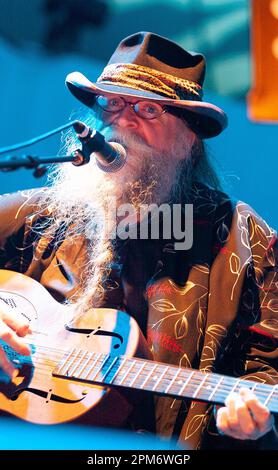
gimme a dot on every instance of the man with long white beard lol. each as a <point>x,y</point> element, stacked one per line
<point>210,307</point>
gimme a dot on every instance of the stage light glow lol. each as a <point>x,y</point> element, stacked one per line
<point>274,8</point>
<point>274,47</point>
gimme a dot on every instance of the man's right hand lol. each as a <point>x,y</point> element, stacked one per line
<point>13,326</point>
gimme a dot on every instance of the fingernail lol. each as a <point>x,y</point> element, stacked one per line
<point>24,330</point>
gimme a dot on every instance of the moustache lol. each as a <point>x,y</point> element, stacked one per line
<point>128,139</point>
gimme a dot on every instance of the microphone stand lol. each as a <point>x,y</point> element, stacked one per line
<point>13,162</point>
<point>110,157</point>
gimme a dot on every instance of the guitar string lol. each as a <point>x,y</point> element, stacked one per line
<point>63,352</point>
<point>188,392</point>
<point>221,391</point>
<point>227,378</point>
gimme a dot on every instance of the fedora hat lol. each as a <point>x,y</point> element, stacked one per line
<point>148,66</point>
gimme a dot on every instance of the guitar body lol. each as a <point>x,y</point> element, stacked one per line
<point>35,395</point>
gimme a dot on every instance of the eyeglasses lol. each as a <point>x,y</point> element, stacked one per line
<point>144,109</point>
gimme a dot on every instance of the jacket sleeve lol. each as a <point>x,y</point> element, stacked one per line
<point>258,335</point>
<point>262,299</point>
<point>251,351</point>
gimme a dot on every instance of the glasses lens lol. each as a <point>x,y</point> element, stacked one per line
<point>148,109</point>
<point>112,105</point>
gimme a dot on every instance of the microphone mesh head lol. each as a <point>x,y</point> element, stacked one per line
<point>118,162</point>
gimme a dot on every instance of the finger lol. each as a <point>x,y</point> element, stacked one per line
<point>11,338</point>
<point>222,423</point>
<point>24,330</point>
<point>260,412</point>
<point>15,321</point>
<point>222,420</point>
<point>232,415</point>
<point>246,424</point>
<point>7,365</point>
<point>239,418</point>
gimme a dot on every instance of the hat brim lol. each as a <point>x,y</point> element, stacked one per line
<point>210,119</point>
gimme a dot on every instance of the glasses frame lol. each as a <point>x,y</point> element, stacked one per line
<point>132,105</point>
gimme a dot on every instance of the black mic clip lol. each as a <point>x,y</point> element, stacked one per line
<point>89,145</point>
<point>92,143</point>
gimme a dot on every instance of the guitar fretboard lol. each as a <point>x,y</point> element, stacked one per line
<point>140,374</point>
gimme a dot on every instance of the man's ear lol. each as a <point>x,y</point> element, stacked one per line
<point>194,139</point>
<point>196,147</point>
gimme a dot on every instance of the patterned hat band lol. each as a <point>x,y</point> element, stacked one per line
<point>143,78</point>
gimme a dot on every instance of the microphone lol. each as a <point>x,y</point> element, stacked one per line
<point>110,156</point>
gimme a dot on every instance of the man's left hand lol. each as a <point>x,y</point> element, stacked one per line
<point>244,417</point>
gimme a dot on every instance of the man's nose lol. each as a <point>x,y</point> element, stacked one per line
<point>127,118</point>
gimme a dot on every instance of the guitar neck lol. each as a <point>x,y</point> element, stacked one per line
<point>163,379</point>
